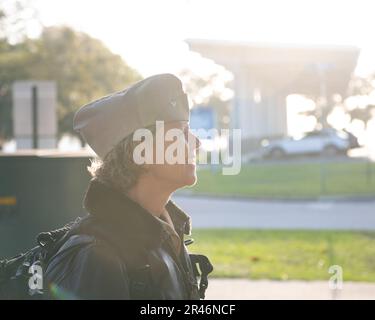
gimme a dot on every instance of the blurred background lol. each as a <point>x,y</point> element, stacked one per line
<point>298,79</point>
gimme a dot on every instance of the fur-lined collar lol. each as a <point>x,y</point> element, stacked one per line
<point>127,217</point>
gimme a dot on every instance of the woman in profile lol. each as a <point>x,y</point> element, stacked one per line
<point>131,244</point>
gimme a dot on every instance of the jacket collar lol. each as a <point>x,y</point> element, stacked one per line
<point>123,215</point>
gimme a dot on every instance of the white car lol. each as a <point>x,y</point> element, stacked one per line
<point>328,141</point>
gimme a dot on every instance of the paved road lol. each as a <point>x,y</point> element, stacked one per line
<point>256,214</point>
<point>242,289</point>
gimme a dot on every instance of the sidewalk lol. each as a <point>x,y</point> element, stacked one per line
<point>253,214</point>
<point>243,289</point>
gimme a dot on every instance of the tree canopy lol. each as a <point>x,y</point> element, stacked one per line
<point>83,68</point>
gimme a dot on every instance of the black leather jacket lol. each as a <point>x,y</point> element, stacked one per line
<point>120,251</point>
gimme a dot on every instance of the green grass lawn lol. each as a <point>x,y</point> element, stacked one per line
<point>283,255</point>
<point>291,180</point>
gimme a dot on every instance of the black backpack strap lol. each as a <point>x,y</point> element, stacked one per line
<point>205,267</point>
<point>15,272</point>
<point>51,238</point>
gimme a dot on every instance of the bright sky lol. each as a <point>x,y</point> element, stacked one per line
<point>149,34</point>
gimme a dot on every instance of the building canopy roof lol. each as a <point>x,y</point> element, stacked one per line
<point>289,68</point>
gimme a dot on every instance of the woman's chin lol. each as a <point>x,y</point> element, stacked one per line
<point>191,178</point>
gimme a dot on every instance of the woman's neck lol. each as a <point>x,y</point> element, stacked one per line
<point>150,195</point>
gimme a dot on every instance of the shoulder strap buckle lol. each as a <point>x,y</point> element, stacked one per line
<point>205,268</point>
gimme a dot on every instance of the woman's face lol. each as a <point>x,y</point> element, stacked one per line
<point>180,146</point>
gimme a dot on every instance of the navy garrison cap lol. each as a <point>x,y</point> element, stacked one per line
<point>105,122</point>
